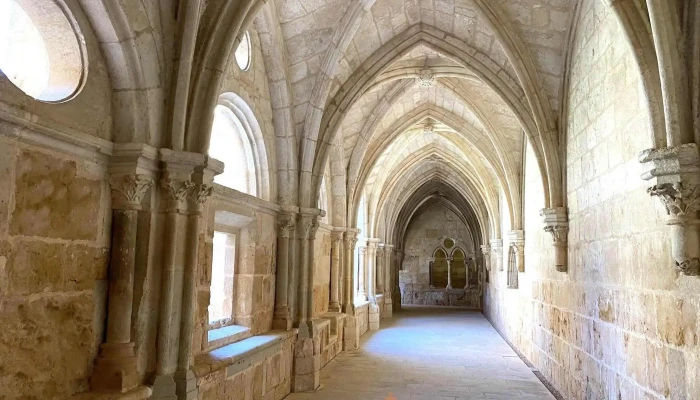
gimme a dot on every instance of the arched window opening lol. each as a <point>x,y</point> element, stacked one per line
<point>231,144</point>
<point>222,283</point>
<point>512,269</point>
<point>458,269</point>
<point>438,272</point>
<point>243,53</point>
<point>40,49</point>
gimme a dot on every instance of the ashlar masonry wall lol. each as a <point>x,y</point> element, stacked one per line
<point>622,323</point>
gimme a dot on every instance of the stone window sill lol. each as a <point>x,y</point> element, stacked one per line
<point>241,355</point>
<point>361,303</point>
<point>226,335</point>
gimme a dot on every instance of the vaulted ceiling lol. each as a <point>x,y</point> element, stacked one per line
<point>408,93</point>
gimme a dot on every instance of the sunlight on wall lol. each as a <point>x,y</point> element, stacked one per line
<point>23,56</point>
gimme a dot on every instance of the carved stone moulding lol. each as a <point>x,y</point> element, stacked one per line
<point>674,177</point>
<point>556,222</point>
<point>517,242</point>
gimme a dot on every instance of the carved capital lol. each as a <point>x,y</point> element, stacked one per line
<point>308,226</point>
<point>176,189</point>
<point>556,222</point>
<point>681,200</point>
<point>673,174</point>
<point>286,226</point>
<point>128,190</point>
<point>201,193</point>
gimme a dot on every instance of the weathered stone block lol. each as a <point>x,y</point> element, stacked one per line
<point>51,200</point>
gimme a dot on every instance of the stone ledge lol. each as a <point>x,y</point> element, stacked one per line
<point>241,355</point>
<point>137,393</point>
<point>226,335</point>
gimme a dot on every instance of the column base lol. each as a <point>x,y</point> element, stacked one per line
<point>334,306</point>
<point>164,388</point>
<point>284,323</point>
<point>306,374</point>
<point>186,385</point>
<point>115,368</point>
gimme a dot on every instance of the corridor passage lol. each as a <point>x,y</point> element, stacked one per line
<point>429,354</point>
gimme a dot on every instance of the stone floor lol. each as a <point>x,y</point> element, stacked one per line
<point>429,354</point>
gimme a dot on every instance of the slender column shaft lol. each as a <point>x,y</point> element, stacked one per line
<point>121,276</point>
<point>362,273</point>
<point>303,272</point>
<point>176,191</point>
<point>348,260</point>
<point>449,273</point>
<point>282,315</point>
<point>334,303</point>
<point>371,270</point>
<point>115,367</point>
<point>200,195</point>
<point>310,240</point>
<point>380,270</point>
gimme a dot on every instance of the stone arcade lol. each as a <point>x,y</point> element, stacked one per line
<point>255,199</point>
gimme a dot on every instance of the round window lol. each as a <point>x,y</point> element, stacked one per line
<point>41,49</point>
<point>449,243</point>
<point>243,51</point>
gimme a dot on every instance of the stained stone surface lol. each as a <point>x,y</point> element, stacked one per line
<point>425,353</point>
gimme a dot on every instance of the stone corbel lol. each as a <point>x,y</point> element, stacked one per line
<point>556,222</point>
<point>486,252</point>
<point>674,177</point>
<point>497,252</point>
<point>517,243</point>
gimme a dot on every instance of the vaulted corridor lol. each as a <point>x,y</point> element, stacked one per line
<point>429,353</point>
<point>270,199</point>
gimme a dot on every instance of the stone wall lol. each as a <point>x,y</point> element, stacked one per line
<point>266,375</point>
<point>54,246</point>
<point>425,233</point>
<point>622,323</point>
<point>362,318</point>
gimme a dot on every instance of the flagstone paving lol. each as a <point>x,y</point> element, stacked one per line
<point>429,354</point>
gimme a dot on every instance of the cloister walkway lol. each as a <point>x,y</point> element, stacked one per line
<point>429,354</point>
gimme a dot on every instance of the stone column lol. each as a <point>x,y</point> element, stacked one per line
<point>486,252</point>
<point>380,270</point>
<point>674,177</point>
<point>175,190</point>
<point>388,283</point>
<point>282,318</point>
<point>396,295</point>
<point>351,337</point>
<point>185,380</point>
<point>336,240</point>
<point>308,225</point>
<point>350,241</point>
<point>497,252</point>
<point>371,270</point>
<point>307,352</point>
<point>362,271</point>
<point>371,277</point>
<point>115,367</point>
<point>449,273</point>
<point>556,222</point>
<point>517,242</point>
